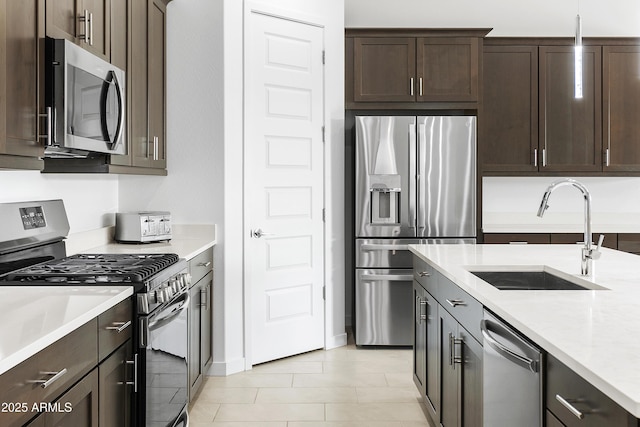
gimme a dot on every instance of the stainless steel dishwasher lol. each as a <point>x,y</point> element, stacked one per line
<point>512,376</point>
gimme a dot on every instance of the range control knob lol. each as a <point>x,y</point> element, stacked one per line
<point>160,296</point>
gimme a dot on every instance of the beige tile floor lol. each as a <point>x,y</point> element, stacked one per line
<point>344,387</point>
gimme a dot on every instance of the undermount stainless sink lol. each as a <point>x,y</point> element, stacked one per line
<point>531,281</point>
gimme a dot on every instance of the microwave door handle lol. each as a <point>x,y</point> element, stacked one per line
<point>113,80</point>
<point>120,128</point>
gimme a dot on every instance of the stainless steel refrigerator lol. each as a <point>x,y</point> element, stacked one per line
<point>415,182</point>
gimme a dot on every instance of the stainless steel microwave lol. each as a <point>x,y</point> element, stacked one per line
<point>85,100</point>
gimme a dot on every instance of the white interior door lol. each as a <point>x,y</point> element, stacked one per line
<point>284,261</point>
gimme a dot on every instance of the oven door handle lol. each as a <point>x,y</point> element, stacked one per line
<point>182,304</point>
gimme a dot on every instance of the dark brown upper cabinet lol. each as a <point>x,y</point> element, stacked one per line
<point>621,108</point>
<point>413,69</point>
<point>384,69</point>
<point>146,79</point>
<point>21,61</point>
<point>570,132</point>
<point>509,127</point>
<point>447,69</point>
<point>86,23</point>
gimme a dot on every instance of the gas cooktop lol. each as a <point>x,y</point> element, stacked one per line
<point>96,268</point>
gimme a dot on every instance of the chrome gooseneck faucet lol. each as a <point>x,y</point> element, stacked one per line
<point>588,253</point>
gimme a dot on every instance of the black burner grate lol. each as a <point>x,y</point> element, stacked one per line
<point>97,268</point>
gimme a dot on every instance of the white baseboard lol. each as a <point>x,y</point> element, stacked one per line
<point>336,341</point>
<point>222,369</point>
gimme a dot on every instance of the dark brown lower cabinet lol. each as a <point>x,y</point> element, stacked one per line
<point>461,374</point>
<point>572,401</point>
<point>626,242</point>
<point>77,407</point>
<point>610,239</point>
<point>517,238</point>
<point>629,242</point>
<point>116,376</point>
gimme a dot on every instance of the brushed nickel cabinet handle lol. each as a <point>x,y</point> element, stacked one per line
<point>46,383</point>
<point>119,326</point>
<point>569,407</point>
<point>411,86</point>
<point>456,302</point>
<point>424,274</point>
<point>85,18</point>
<point>204,264</point>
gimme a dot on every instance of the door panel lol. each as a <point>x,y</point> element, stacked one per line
<point>284,186</point>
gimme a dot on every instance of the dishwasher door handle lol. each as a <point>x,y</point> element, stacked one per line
<point>506,352</point>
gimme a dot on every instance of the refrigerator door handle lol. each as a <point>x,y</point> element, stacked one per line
<point>413,177</point>
<point>421,153</point>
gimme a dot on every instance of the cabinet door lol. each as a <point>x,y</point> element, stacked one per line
<point>509,129</point>
<point>206,323</point>
<point>99,27</point>
<point>570,129</point>
<point>115,393</point>
<point>621,108</point>
<point>450,371</point>
<point>195,311</point>
<point>447,69</point>
<point>432,355</point>
<point>81,401</point>
<point>119,33</point>
<point>157,89</point>
<point>84,22</point>
<point>471,385</point>
<point>147,83</point>
<point>384,69</point>
<point>21,61</point>
<point>419,337</point>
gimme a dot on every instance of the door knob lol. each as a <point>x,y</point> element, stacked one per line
<point>258,233</point>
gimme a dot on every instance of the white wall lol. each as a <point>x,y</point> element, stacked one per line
<point>507,18</point>
<point>90,200</point>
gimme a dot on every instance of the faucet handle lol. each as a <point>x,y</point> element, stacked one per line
<point>595,253</point>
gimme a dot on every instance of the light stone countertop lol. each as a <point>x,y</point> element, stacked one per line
<point>33,317</point>
<point>187,241</point>
<point>594,332</point>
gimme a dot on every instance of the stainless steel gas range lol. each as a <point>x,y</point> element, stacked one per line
<point>32,253</point>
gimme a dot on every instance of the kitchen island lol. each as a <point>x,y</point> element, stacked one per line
<point>593,332</point>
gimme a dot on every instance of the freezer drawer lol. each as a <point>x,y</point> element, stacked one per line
<point>383,307</point>
<point>393,253</point>
<point>384,253</point>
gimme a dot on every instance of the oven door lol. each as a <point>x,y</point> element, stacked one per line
<point>164,349</point>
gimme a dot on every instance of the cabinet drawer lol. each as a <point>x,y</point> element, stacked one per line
<point>75,352</point>
<point>200,265</point>
<point>424,274</point>
<point>518,238</point>
<point>114,328</point>
<point>629,242</point>
<point>462,306</point>
<point>598,410</point>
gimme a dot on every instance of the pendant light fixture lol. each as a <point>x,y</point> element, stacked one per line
<point>578,57</point>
